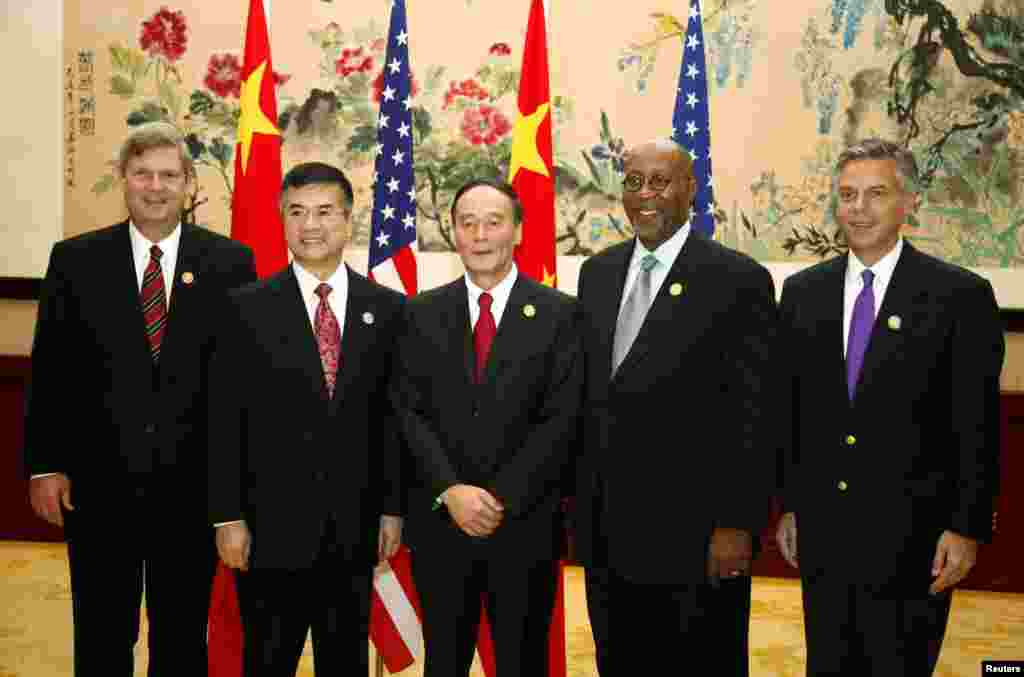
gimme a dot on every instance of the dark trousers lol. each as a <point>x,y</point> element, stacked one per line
<point>856,630</point>
<point>280,606</point>
<point>112,556</point>
<point>650,622</point>
<point>519,598</point>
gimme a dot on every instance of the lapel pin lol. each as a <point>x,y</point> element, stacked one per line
<point>529,310</point>
<point>895,322</point>
<point>676,289</point>
<point>367,317</point>
<point>188,278</point>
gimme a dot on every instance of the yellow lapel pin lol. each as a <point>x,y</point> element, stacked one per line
<point>677,289</point>
<point>188,278</point>
<point>529,310</point>
<point>895,322</point>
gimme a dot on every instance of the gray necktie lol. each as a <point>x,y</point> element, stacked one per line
<point>633,312</point>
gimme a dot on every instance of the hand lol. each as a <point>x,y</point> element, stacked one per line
<point>233,544</point>
<point>48,494</point>
<point>955,556</point>
<point>475,510</point>
<point>729,554</point>
<point>785,536</point>
<point>390,537</point>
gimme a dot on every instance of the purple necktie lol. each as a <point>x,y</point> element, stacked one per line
<point>860,331</point>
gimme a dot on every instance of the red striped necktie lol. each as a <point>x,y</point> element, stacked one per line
<point>154,303</point>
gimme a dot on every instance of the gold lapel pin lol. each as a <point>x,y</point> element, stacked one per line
<point>529,310</point>
<point>676,289</point>
<point>367,317</point>
<point>895,322</point>
<point>188,278</point>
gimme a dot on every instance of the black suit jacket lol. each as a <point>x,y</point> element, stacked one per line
<point>283,455</point>
<point>680,440</point>
<point>917,451</point>
<point>510,434</point>
<point>95,410</point>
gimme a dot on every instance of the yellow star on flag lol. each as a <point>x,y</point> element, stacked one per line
<point>549,278</point>
<point>253,120</point>
<point>525,154</point>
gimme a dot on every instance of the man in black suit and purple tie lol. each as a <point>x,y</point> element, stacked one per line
<point>304,458</point>
<point>892,361</point>
<point>678,458</point>
<point>115,429</point>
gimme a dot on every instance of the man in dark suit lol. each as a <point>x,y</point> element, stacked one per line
<point>892,361</point>
<point>304,467</point>
<point>677,461</point>
<point>115,431</point>
<point>487,390</point>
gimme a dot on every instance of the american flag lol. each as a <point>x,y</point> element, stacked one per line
<point>691,122</point>
<point>393,230</point>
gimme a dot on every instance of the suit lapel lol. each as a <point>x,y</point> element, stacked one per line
<point>610,286</point>
<point>903,294</point>
<point>666,307</point>
<point>297,332</point>
<point>182,297</point>
<point>513,340</point>
<point>125,299</point>
<point>456,326</point>
<point>357,333</point>
<point>832,299</point>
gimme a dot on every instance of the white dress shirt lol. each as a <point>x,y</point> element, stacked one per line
<point>168,260</point>
<point>666,253</point>
<point>499,293</point>
<point>338,298</point>
<point>883,270</point>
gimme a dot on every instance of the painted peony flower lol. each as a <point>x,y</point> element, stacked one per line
<point>164,35</point>
<point>484,125</point>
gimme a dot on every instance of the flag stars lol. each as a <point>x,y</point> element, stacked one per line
<point>409,221</point>
<point>691,100</point>
<point>412,193</point>
<point>691,128</point>
<point>711,208</point>
<point>383,120</point>
<point>402,37</point>
<point>395,65</point>
<point>393,185</point>
<point>692,42</point>
<point>693,155</point>
<point>388,94</point>
<point>378,149</point>
<point>694,12</point>
<point>388,212</point>
<point>382,239</point>
<point>403,130</point>
<point>398,157</point>
<point>692,72</point>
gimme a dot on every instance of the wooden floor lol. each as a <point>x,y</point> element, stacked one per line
<point>35,624</point>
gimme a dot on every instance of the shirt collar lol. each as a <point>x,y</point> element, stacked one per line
<point>666,252</point>
<point>499,293</point>
<point>882,269</point>
<point>141,244</point>
<point>308,282</point>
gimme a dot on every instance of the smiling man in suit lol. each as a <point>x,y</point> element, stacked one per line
<point>893,361</point>
<point>304,463</point>
<point>678,458</point>
<point>115,432</point>
<point>488,392</point>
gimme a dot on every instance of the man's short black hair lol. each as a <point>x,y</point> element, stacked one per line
<point>310,173</point>
<point>501,187</point>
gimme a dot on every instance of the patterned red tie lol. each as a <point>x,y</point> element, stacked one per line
<point>328,337</point>
<point>154,302</point>
<point>483,335</point>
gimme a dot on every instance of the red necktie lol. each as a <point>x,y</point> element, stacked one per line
<point>483,335</point>
<point>328,337</point>
<point>154,302</point>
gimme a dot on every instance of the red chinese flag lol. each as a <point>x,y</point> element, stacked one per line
<point>531,169</point>
<point>255,212</point>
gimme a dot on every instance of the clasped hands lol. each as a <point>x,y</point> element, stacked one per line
<point>729,554</point>
<point>476,511</point>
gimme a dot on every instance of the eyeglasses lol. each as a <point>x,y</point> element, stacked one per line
<point>655,183</point>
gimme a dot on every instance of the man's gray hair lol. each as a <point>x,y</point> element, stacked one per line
<point>879,149</point>
<point>150,135</point>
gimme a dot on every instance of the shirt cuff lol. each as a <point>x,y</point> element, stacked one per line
<point>224,524</point>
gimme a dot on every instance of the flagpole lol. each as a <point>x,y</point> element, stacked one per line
<point>379,672</point>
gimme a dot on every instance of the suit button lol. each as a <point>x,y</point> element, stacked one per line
<point>850,440</point>
<point>150,428</point>
<point>843,486</point>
